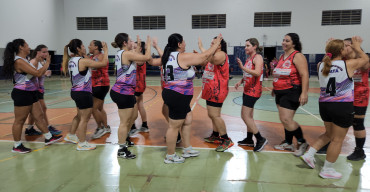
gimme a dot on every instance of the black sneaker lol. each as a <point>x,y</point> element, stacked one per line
<point>21,149</point>
<point>123,152</point>
<point>53,139</point>
<point>246,142</point>
<point>129,143</point>
<point>53,130</point>
<point>323,149</point>
<point>260,144</point>
<point>357,155</point>
<point>32,132</point>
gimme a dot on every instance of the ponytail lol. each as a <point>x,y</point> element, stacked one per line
<point>333,50</point>
<point>12,48</point>
<point>66,58</point>
<point>172,45</point>
<point>327,65</point>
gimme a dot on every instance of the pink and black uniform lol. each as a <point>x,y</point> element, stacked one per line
<point>41,81</point>
<point>178,87</point>
<point>81,91</point>
<point>336,95</point>
<point>252,84</point>
<point>100,80</point>
<point>216,83</point>
<point>140,79</point>
<point>25,88</point>
<point>122,92</point>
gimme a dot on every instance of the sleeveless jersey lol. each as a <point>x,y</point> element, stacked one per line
<point>162,77</point>
<point>361,93</point>
<point>25,82</point>
<point>176,78</point>
<point>79,80</point>
<point>126,76</point>
<point>100,76</point>
<point>41,79</point>
<point>216,82</point>
<point>252,84</point>
<point>140,78</point>
<point>337,86</point>
<point>286,74</point>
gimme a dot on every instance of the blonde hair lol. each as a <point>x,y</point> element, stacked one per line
<point>66,58</point>
<point>333,49</point>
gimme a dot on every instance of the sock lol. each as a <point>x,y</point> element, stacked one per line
<point>29,127</point>
<point>225,136</point>
<point>360,142</point>
<point>169,156</point>
<point>215,133</point>
<point>311,151</point>
<point>121,146</point>
<point>299,135</point>
<point>289,136</point>
<point>133,127</point>
<point>258,136</point>
<point>249,136</point>
<point>48,135</point>
<point>17,143</point>
<point>327,164</point>
<point>145,124</point>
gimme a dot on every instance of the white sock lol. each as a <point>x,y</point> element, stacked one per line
<point>173,155</point>
<point>188,148</point>
<point>311,151</point>
<point>48,135</point>
<point>17,143</point>
<point>327,164</point>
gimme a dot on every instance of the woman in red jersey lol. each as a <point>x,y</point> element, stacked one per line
<point>290,87</point>
<point>252,79</point>
<point>214,91</point>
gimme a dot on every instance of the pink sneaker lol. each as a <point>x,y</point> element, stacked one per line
<point>310,161</point>
<point>330,173</point>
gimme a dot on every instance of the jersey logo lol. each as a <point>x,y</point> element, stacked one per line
<point>287,64</point>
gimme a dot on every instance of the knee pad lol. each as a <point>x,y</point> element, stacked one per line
<point>358,124</point>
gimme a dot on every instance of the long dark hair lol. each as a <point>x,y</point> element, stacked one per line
<point>119,40</point>
<point>38,48</point>
<point>223,45</point>
<point>172,45</point>
<point>12,48</point>
<point>296,41</point>
<point>72,46</point>
<point>98,44</point>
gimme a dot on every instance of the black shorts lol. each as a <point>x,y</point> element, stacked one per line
<point>123,101</point>
<point>100,92</point>
<point>178,104</point>
<point>213,104</point>
<point>137,94</point>
<point>24,98</point>
<point>288,98</point>
<point>83,99</point>
<point>339,113</point>
<point>360,110</point>
<point>40,95</point>
<point>249,101</point>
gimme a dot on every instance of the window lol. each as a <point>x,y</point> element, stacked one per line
<point>92,23</point>
<point>208,21</point>
<point>272,19</point>
<point>341,17</point>
<point>149,22</point>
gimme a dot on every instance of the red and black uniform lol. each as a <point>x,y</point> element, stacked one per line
<point>100,80</point>
<point>140,79</point>
<point>361,91</point>
<point>252,84</point>
<point>216,83</point>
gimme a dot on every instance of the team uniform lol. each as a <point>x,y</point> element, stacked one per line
<point>361,91</point>
<point>252,84</point>
<point>81,91</point>
<point>287,83</point>
<point>140,79</point>
<point>178,87</point>
<point>216,83</point>
<point>25,90</point>
<point>336,95</point>
<point>122,92</point>
<point>100,81</point>
<point>41,80</point>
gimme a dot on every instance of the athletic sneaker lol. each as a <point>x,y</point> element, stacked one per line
<point>53,130</point>
<point>213,139</point>
<point>129,143</point>
<point>260,144</point>
<point>99,132</point>
<point>357,155</point>
<point>330,173</point>
<point>144,129</point>
<point>246,142</point>
<point>173,159</point>
<point>107,129</point>
<point>133,132</point>
<point>123,152</point>
<point>309,160</point>
<point>226,144</point>
<point>53,139</point>
<point>189,152</point>
<point>32,131</point>
<point>21,149</point>
<point>85,146</point>
<point>284,146</point>
<point>71,138</point>
<point>302,148</point>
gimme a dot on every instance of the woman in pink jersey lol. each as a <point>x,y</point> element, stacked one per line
<point>252,79</point>
<point>24,93</point>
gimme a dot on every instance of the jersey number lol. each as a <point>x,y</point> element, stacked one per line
<point>170,74</point>
<point>330,87</point>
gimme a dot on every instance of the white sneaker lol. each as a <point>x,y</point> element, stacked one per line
<point>85,146</point>
<point>302,148</point>
<point>107,129</point>
<point>309,160</point>
<point>133,132</point>
<point>330,173</point>
<point>173,159</point>
<point>189,152</point>
<point>71,138</point>
<point>284,146</point>
<point>144,129</point>
<point>99,132</point>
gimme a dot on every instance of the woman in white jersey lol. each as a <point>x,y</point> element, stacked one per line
<point>79,68</point>
<point>24,93</point>
<point>335,102</point>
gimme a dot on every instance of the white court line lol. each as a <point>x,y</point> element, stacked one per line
<point>44,94</point>
<point>196,100</point>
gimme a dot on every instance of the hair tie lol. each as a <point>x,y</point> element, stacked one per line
<point>329,55</point>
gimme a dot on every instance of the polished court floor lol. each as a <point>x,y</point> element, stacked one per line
<point>60,167</point>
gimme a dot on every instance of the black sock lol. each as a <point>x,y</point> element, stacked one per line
<point>258,136</point>
<point>145,124</point>
<point>225,136</point>
<point>249,136</point>
<point>360,142</point>
<point>299,135</point>
<point>215,133</point>
<point>289,136</point>
<point>133,126</point>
